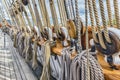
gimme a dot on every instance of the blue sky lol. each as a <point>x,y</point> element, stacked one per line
<point>81,9</point>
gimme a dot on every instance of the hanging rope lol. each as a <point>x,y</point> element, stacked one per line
<point>92,21</point>
<point>116,10</point>
<point>46,15</point>
<point>39,23</point>
<point>100,37</point>
<point>66,9</point>
<point>72,6</point>
<point>41,5</point>
<point>109,12</point>
<point>78,26</point>
<point>87,40</point>
<point>64,13</point>
<point>54,16</point>
<point>104,21</point>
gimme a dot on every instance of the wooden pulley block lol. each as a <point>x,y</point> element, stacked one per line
<point>25,2</point>
<point>71,29</point>
<point>57,48</point>
<point>113,47</point>
<point>65,36</point>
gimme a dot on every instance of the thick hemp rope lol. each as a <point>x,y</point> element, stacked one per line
<point>37,17</point>
<point>109,12</point>
<point>64,13</point>
<point>87,40</point>
<point>78,27</point>
<point>116,10</point>
<point>54,16</point>
<point>78,68</point>
<point>44,8</point>
<point>42,12</point>
<point>104,21</point>
<point>100,37</point>
<point>92,21</point>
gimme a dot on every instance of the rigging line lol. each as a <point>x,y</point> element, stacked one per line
<point>42,13</point>
<point>64,13</point>
<point>60,12</point>
<point>87,40</point>
<point>100,37</point>
<point>39,23</point>
<point>109,12</point>
<point>6,8</point>
<point>13,13</point>
<point>66,8</point>
<point>46,14</point>
<point>78,27</point>
<point>54,16</point>
<point>26,14</point>
<point>104,21</point>
<point>92,21</point>
<point>32,14</point>
<point>116,10</point>
<point>22,21</point>
<point>72,6</point>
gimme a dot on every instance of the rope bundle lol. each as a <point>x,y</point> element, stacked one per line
<point>78,68</point>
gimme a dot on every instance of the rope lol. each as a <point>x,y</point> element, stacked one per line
<point>78,25</point>
<point>79,63</point>
<point>66,9</point>
<point>39,23</point>
<point>54,16</point>
<point>98,24</point>
<point>64,13</point>
<point>42,12</point>
<point>104,21</point>
<point>32,14</point>
<point>92,21</point>
<point>72,5</point>
<point>116,10</point>
<point>109,12</point>
<point>71,9</point>
<point>87,41</point>
<point>45,13</point>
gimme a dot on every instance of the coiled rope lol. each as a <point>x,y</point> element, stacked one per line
<point>79,69</point>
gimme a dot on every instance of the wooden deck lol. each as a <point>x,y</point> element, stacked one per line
<point>12,66</point>
<point>109,73</point>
